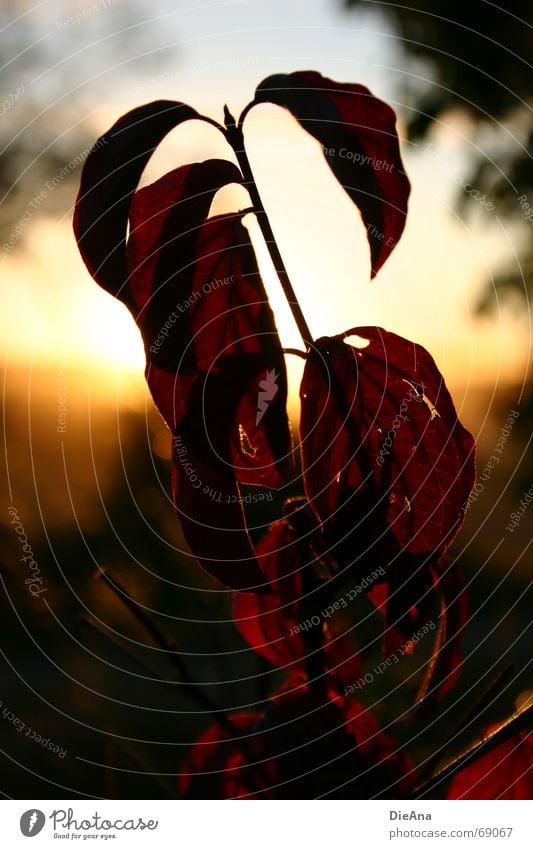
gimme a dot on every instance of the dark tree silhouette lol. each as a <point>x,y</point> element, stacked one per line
<point>479,55</point>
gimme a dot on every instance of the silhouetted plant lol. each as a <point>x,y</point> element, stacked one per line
<point>387,468</point>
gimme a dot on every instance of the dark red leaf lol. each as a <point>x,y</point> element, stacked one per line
<point>504,773</point>
<point>217,766</point>
<point>446,664</point>
<point>208,310</point>
<point>268,622</point>
<point>359,140</point>
<point>304,747</point>
<point>211,346</point>
<point>166,220</point>
<point>388,469</point>
<point>406,601</point>
<point>379,749</point>
<point>209,503</point>
<point>410,599</point>
<point>329,746</point>
<point>110,176</point>
<point>387,465</point>
<point>272,624</point>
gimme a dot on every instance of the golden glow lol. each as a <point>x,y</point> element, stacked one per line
<point>53,310</point>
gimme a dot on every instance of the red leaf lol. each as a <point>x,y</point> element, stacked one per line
<point>388,469</point>
<point>329,746</point>
<point>267,622</point>
<point>406,600</point>
<point>446,664</point>
<point>166,220</point>
<point>217,766</point>
<point>271,624</point>
<point>305,746</point>
<point>504,773</point>
<point>110,176</point>
<point>211,343</point>
<point>209,311</point>
<point>410,595</point>
<point>387,465</point>
<point>379,749</point>
<point>359,140</point>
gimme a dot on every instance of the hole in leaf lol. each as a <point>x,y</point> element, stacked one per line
<point>356,341</point>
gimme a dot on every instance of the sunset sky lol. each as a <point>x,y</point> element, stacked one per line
<point>209,54</point>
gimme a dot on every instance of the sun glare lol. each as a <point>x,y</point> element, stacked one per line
<point>54,310</point>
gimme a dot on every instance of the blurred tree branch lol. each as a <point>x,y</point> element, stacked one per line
<point>478,55</point>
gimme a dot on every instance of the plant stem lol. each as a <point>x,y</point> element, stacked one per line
<point>313,639</point>
<point>475,713</point>
<point>519,720</point>
<point>235,137</point>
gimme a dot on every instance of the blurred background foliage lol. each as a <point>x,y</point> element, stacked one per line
<point>475,57</point>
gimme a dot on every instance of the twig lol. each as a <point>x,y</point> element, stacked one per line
<point>492,691</point>
<point>217,714</point>
<point>235,138</point>
<point>518,721</point>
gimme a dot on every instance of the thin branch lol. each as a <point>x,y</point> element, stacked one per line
<point>148,673</point>
<point>296,352</point>
<point>217,714</point>
<point>485,700</point>
<point>516,722</point>
<point>235,137</point>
